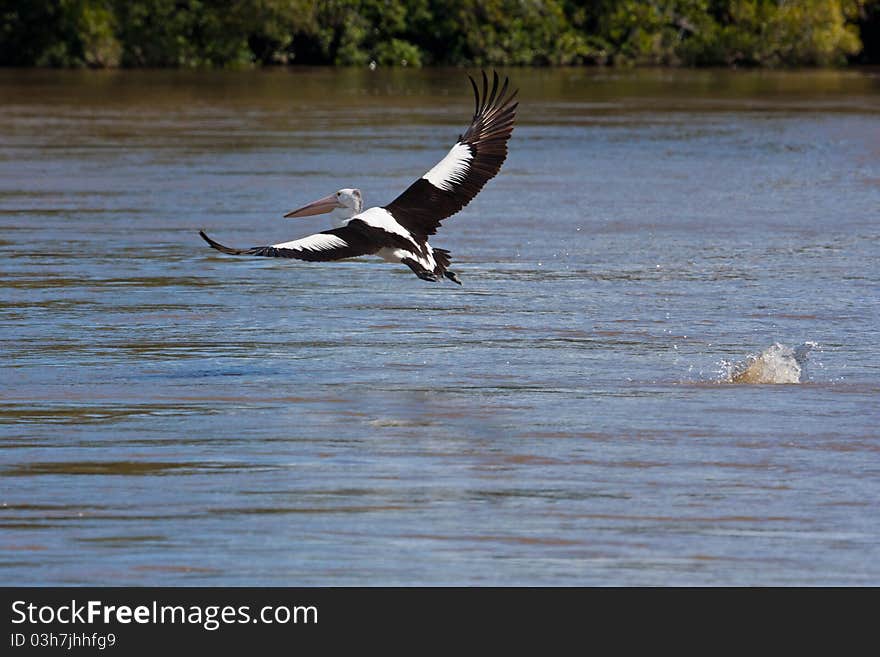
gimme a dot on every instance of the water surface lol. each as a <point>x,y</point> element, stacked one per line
<point>169,415</point>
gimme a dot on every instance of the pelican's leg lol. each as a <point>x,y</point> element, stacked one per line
<point>452,276</point>
<point>419,271</point>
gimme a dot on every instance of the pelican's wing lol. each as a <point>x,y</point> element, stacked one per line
<point>470,164</point>
<point>336,244</point>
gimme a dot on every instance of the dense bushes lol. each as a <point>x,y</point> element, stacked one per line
<point>104,33</point>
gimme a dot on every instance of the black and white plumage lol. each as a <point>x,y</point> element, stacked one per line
<point>399,231</point>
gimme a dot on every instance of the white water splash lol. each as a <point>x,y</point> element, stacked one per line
<point>776,364</point>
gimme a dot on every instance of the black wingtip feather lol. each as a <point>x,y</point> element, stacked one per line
<point>476,97</point>
<point>218,246</point>
<point>491,101</point>
<point>494,89</point>
<point>504,88</point>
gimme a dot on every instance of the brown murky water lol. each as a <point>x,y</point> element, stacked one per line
<point>172,416</point>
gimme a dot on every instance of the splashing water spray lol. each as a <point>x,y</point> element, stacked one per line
<point>776,364</point>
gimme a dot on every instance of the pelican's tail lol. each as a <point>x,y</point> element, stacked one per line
<point>442,257</point>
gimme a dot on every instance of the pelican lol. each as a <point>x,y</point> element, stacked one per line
<point>398,232</point>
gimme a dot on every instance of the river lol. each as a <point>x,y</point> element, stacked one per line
<point>173,416</point>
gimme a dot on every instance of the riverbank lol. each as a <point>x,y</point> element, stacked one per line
<point>414,33</point>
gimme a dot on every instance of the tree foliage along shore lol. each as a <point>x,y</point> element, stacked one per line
<point>236,33</point>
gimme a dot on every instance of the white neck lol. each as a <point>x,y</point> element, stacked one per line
<point>341,216</point>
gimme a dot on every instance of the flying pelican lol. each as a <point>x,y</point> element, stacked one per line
<point>398,232</point>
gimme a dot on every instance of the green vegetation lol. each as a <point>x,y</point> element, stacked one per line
<point>236,33</point>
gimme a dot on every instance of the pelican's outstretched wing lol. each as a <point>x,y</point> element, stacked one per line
<point>336,244</point>
<point>470,164</point>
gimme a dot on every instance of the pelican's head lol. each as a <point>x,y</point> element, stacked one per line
<point>345,203</point>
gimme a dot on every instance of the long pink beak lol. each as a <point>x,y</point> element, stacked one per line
<point>322,205</point>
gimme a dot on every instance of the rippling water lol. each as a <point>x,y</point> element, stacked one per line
<point>169,415</point>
